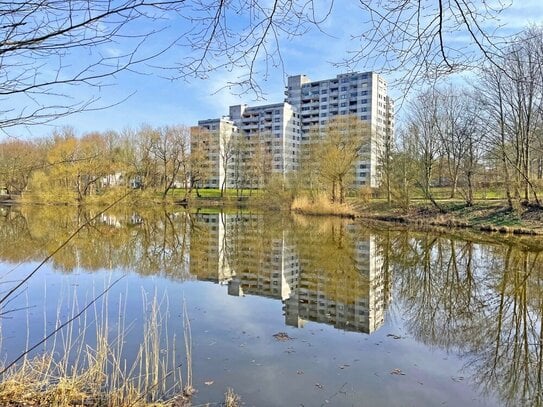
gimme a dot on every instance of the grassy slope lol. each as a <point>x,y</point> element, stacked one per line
<point>489,215</point>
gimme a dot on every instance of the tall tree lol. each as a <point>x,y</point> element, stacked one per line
<point>18,159</point>
<point>338,146</point>
<point>424,138</point>
<point>512,100</point>
<point>170,148</point>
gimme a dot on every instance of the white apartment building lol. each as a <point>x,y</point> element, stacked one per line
<point>363,95</point>
<point>219,133</point>
<point>278,126</point>
<point>281,128</point>
<point>269,135</point>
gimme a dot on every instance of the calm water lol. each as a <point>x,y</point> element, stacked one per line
<point>361,316</point>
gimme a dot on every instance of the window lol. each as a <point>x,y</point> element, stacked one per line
<point>324,91</point>
<point>323,114</point>
<point>364,101</point>
<point>277,119</point>
<point>324,99</point>
<point>324,107</point>
<point>277,127</point>
<point>364,93</point>
<point>343,88</point>
<point>343,104</point>
<point>277,111</point>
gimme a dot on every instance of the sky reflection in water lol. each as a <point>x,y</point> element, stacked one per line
<point>371,317</point>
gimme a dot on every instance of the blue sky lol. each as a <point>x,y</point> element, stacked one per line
<point>157,101</point>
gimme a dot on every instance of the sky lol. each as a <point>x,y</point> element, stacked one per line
<point>150,96</point>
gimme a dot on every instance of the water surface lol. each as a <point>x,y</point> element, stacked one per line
<point>287,311</point>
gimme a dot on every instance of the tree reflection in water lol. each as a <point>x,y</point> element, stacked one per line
<point>482,301</point>
<point>472,295</point>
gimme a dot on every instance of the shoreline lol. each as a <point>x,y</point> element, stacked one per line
<point>484,216</point>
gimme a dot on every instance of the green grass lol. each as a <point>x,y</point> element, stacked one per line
<point>212,193</point>
<point>501,217</point>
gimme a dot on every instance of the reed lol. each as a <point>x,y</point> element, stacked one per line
<point>322,206</point>
<point>102,374</point>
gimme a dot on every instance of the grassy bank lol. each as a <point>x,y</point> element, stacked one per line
<point>489,212</point>
<point>484,215</point>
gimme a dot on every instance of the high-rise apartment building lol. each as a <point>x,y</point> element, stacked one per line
<point>271,136</point>
<point>213,138</point>
<point>277,126</point>
<point>250,144</point>
<point>363,95</point>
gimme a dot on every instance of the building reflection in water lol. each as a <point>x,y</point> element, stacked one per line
<point>241,252</point>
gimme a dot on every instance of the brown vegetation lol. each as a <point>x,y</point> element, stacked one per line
<point>321,205</point>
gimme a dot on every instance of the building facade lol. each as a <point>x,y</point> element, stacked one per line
<point>271,136</point>
<point>212,138</point>
<point>364,95</point>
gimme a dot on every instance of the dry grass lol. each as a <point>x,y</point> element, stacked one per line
<point>101,375</point>
<point>321,206</point>
<point>231,399</point>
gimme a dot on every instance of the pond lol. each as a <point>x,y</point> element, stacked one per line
<point>285,310</point>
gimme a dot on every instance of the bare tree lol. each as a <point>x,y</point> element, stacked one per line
<point>200,164</point>
<point>404,170</point>
<point>491,94</point>
<point>459,138</point>
<point>259,161</point>
<point>385,154</point>
<point>18,159</point>
<point>424,39</point>
<point>170,148</point>
<point>424,138</point>
<point>339,146</point>
<point>512,102</point>
<point>47,47</point>
<point>227,145</point>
